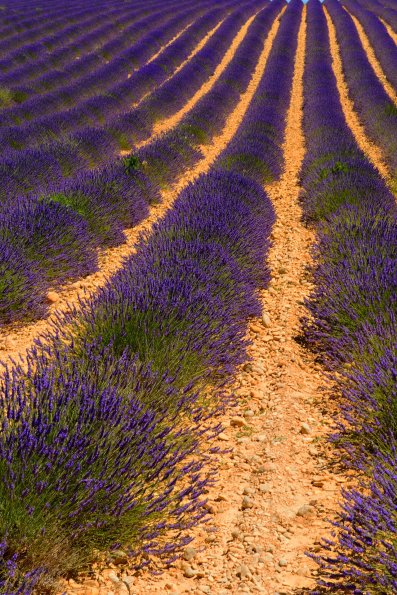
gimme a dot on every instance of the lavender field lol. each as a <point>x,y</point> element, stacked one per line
<point>198,297</point>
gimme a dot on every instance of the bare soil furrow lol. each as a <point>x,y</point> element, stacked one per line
<point>165,125</point>
<point>195,51</point>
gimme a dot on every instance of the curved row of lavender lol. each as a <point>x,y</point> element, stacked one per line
<point>19,30</point>
<point>110,104</point>
<point>387,12</point>
<point>42,132</point>
<point>178,149</point>
<point>383,45</point>
<point>79,36</point>
<point>353,325</point>
<point>373,105</point>
<point>256,149</point>
<point>59,232</point>
<point>87,45</point>
<point>110,441</point>
<point>103,66</point>
<point>42,45</point>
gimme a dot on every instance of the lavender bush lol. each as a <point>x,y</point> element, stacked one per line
<point>106,436</point>
<point>255,150</point>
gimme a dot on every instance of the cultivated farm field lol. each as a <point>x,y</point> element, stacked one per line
<point>198,297</point>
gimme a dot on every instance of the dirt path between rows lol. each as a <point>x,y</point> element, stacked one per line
<point>373,60</point>
<point>274,490</point>
<point>14,340</point>
<point>373,152</point>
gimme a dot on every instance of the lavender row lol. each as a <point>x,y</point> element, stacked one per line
<point>102,107</point>
<point>93,209</point>
<point>166,329</point>
<point>352,324</point>
<point>41,169</point>
<point>65,18</point>
<point>387,13</point>
<point>112,431</point>
<point>177,150</point>
<point>374,107</point>
<point>29,72</point>
<point>168,98</point>
<point>48,42</point>
<point>94,72</point>
<point>256,148</point>
<point>30,28</point>
<point>384,47</point>
<point>36,77</point>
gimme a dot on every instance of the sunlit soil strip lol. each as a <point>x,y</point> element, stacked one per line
<point>15,341</point>
<point>292,399</point>
<point>170,42</point>
<point>199,46</point>
<point>373,152</point>
<point>373,59</point>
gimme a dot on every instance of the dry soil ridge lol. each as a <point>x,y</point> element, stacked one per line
<point>390,31</point>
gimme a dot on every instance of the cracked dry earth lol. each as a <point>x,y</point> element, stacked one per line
<point>274,488</point>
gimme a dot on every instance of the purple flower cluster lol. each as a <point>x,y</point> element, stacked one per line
<point>101,203</point>
<point>80,64</point>
<point>41,131</point>
<point>94,111</point>
<point>88,463</point>
<point>352,324</point>
<point>374,107</point>
<point>50,39</point>
<point>384,47</point>
<point>12,582</point>
<point>53,238</point>
<point>137,124</point>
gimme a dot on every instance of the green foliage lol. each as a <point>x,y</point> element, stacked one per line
<point>99,225</point>
<point>196,134</point>
<point>247,164</point>
<point>132,163</point>
<point>6,97</point>
<point>391,109</point>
